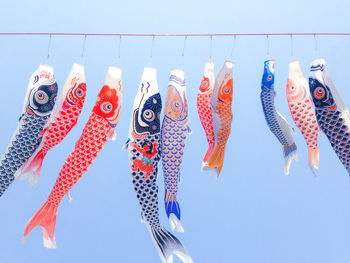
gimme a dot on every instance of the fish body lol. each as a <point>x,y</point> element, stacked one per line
<point>63,118</point>
<point>332,115</point>
<point>98,129</point>
<point>38,105</point>
<point>275,121</point>
<point>143,146</point>
<point>302,110</point>
<point>203,107</point>
<point>173,134</point>
<point>220,105</point>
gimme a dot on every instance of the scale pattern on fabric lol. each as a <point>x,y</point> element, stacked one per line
<point>25,143</point>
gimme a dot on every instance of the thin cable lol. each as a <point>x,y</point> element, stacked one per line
<point>183,49</point>
<point>151,55</point>
<point>316,44</point>
<point>48,47</point>
<point>169,35</point>
<point>211,48</point>
<point>233,46</point>
<point>291,45</point>
<point>82,53</point>
<point>267,45</point>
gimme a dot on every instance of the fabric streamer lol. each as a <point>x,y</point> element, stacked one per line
<point>220,105</point>
<point>174,130</point>
<point>63,118</point>
<point>276,122</point>
<point>38,105</point>
<point>203,107</point>
<point>302,110</point>
<point>143,146</point>
<point>332,115</point>
<point>98,129</point>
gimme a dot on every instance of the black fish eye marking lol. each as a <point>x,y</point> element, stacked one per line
<point>269,77</point>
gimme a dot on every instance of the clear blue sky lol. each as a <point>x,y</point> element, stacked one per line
<point>253,212</point>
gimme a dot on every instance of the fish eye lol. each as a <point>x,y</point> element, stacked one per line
<point>106,107</point>
<point>319,93</point>
<point>227,89</point>
<point>41,97</point>
<point>79,92</point>
<point>149,115</point>
<point>269,77</point>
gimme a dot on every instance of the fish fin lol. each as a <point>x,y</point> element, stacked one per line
<point>126,145</point>
<point>314,159</point>
<point>208,154</point>
<point>290,153</point>
<point>173,211</point>
<point>43,131</point>
<point>46,218</point>
<point>274,93</point>
<point>167,245</point>
<point>282,119</point>
<point>31,168</point>
<point>114,136</point>
<point>189,130</point>
<point>216,161</point>
<point>69,197</point>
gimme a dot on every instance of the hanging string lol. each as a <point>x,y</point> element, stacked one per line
<point>48,47</point>
<point>183,49</point>
<point>151,55</point>
<point>316,44</point>
<point>233,46</point>
<point>267,45</point>
<point>83,51</point>
<point>291,45</point>
<point>119,45</point>
<point>211,47</point>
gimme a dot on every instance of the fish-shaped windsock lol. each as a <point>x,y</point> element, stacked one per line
<point>220,104</point>
<point>98,129</point>
<point>143,146</point>
<point>332,115</point>
<point>276,122</point>
<point>203,107</point>
<point>63,118</point>
<point>173,134</point>
<point>38,105</point>
<point>302,110</point>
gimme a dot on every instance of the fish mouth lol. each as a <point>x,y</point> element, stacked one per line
<point>271,65</point>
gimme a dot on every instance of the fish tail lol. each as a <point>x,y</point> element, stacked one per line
<point>46,218</point>
<point>173,211</point>
<point>208,153</point>
<point>314,159</point>
<point>167,245</point>
<point>31,169</point>
<point>290,153</point>
<point>216,161</point>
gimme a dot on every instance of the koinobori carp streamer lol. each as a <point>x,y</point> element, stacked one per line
<point>203,107</point>
<point>38,105</point>
<point>276,122</point>
<point>332,115</point>
<point>98,129</point>
<point>302,110</point>
<point>143,146</point>
<point>63,118</point>
<point>174,130</point>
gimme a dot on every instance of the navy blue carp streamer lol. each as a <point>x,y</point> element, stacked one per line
<point>38,105</point>
<point>143,146</point>
<point>332,115</point>
<point>276,122</point>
